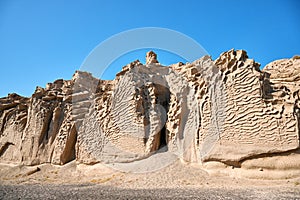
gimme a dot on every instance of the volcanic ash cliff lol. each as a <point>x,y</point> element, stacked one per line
<point>224,111</point>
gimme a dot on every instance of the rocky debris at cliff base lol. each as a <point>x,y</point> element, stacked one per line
<point>177,175</point>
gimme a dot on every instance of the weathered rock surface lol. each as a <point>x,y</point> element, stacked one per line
<point>227,110</point>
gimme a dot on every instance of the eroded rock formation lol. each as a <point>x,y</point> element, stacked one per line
<point>227,110</point>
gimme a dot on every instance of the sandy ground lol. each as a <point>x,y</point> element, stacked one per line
<point>176,181</point>
<point>93,191</point>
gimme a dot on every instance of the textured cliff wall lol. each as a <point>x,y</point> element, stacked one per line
<point>226,110</point>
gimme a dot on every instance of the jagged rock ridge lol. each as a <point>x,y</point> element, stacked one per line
<point>226,110</point>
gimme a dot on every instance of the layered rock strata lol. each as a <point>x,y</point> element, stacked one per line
<point>227,110</point>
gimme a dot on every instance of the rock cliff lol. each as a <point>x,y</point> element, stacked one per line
<point>226,111</point>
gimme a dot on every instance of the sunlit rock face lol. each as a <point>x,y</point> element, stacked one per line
<point>227,110</point>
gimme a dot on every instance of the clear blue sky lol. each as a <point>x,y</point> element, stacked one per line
<point>41,41</point>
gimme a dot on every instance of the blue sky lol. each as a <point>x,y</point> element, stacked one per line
<point>41,41</point>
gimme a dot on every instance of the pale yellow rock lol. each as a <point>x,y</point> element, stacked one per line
<point>227,112</point>
<point>151,58</point>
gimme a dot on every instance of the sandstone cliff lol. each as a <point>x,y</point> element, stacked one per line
<point>227,111</point>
